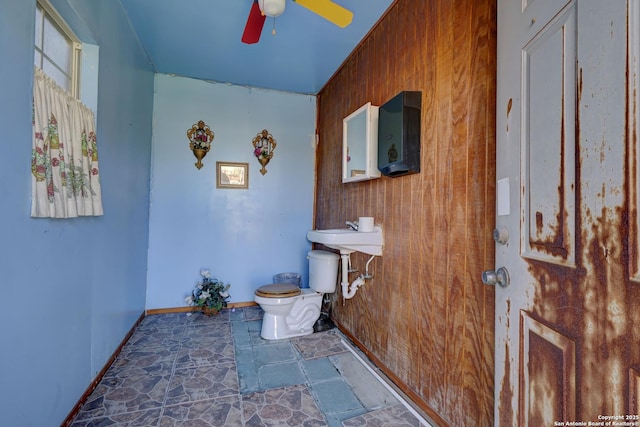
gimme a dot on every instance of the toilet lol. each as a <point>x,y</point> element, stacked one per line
<point>290,311</point>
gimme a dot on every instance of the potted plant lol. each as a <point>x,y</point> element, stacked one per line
<point>209,294</point>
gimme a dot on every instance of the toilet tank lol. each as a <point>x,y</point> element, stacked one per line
<point>323,271</point>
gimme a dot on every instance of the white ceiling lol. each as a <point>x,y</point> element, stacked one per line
<point>201,39</point>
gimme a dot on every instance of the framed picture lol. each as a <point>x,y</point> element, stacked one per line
<point>232,175</point>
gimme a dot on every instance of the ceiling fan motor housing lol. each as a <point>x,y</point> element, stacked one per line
<point>272,8</point>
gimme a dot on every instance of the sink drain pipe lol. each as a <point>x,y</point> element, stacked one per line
<point>350,289</point>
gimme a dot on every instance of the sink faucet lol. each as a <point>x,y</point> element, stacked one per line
<point>352,225</point>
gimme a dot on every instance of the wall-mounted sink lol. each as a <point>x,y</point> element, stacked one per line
<point>347,240</point>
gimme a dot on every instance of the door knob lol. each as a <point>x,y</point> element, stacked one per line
<point>499,276</point>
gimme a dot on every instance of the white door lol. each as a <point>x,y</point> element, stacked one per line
<point>567,342</point>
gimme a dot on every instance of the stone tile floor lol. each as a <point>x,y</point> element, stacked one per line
<point>180,370</point>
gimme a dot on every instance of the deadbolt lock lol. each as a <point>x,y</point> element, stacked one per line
<point>501,235</point>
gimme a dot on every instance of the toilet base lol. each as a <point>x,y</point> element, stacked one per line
<point>272,329</point>
<point>298,322</point>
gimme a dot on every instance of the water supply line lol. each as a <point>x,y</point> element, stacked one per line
<point>366,274</point>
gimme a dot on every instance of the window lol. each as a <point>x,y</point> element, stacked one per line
<point>57,49</point>
<point>65,172</point>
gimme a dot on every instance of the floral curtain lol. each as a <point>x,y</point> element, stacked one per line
<point>64,162</point>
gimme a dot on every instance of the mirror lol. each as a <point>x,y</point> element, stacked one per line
<point>360,144</point>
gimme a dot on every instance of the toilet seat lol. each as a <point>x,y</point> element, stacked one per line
<point>278,290</point>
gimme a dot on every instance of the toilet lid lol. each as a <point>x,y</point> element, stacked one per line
<point>278,290</point>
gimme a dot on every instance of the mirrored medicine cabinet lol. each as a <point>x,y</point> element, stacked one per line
<point>360,144</point>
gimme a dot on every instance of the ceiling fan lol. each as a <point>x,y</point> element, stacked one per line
<point>260,9</point>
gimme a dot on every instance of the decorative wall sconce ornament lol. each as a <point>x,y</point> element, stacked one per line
<point>200,138</point>
<point>263,146</point>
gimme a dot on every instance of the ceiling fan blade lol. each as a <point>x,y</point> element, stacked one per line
<point>329,10</point>
<point>255,22</point>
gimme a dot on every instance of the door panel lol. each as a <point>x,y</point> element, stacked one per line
<point>633,107</point>
<point>548,374</point>
<point>568,325</point>
<point>634,391</point>
<point>548,129</point>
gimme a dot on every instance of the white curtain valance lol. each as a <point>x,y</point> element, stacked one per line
<point>64,162</point>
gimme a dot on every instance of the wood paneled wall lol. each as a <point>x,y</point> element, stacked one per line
<point>425,318</point>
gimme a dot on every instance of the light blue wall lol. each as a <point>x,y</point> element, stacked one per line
<point>243,236</point>
<point>61,318</point>
<point>70,290</point>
